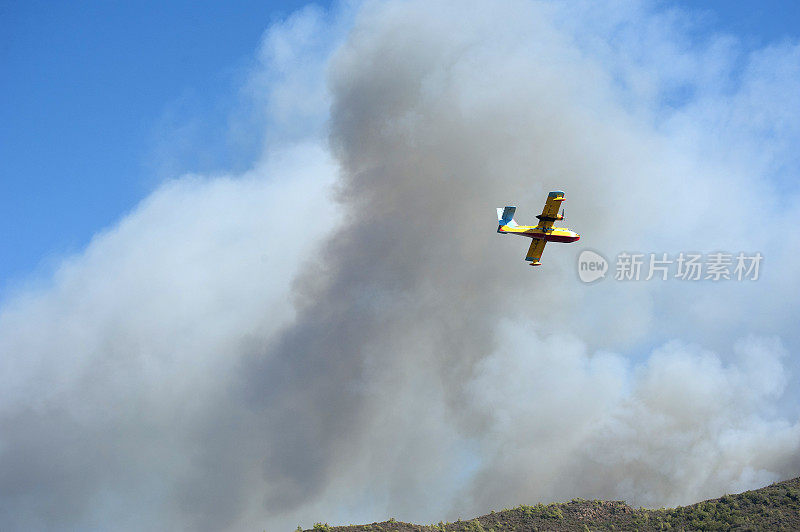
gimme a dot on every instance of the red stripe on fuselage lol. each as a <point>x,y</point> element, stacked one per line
<point>552,238</point>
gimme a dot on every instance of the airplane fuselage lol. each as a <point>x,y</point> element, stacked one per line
<point>554,234</point>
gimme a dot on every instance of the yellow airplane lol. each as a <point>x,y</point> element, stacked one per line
<point>540,234</point>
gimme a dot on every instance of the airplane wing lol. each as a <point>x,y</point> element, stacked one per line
<point>550,212</point>
<point>535,251</point>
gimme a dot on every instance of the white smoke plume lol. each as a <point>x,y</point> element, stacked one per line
<point>339,334</point>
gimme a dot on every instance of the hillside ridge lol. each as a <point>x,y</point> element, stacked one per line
<point>774,507</point>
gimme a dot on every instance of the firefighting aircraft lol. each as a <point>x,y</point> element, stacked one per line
<point>542,233</point>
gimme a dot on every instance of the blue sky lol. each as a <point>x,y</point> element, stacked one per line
<point>92,93</point>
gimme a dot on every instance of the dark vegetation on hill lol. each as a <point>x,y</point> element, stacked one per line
<point>776,507</point>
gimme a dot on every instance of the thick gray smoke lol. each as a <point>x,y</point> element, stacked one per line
<point>340,335</point>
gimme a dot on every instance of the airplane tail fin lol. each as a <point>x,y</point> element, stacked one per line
<point>506,217</point>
